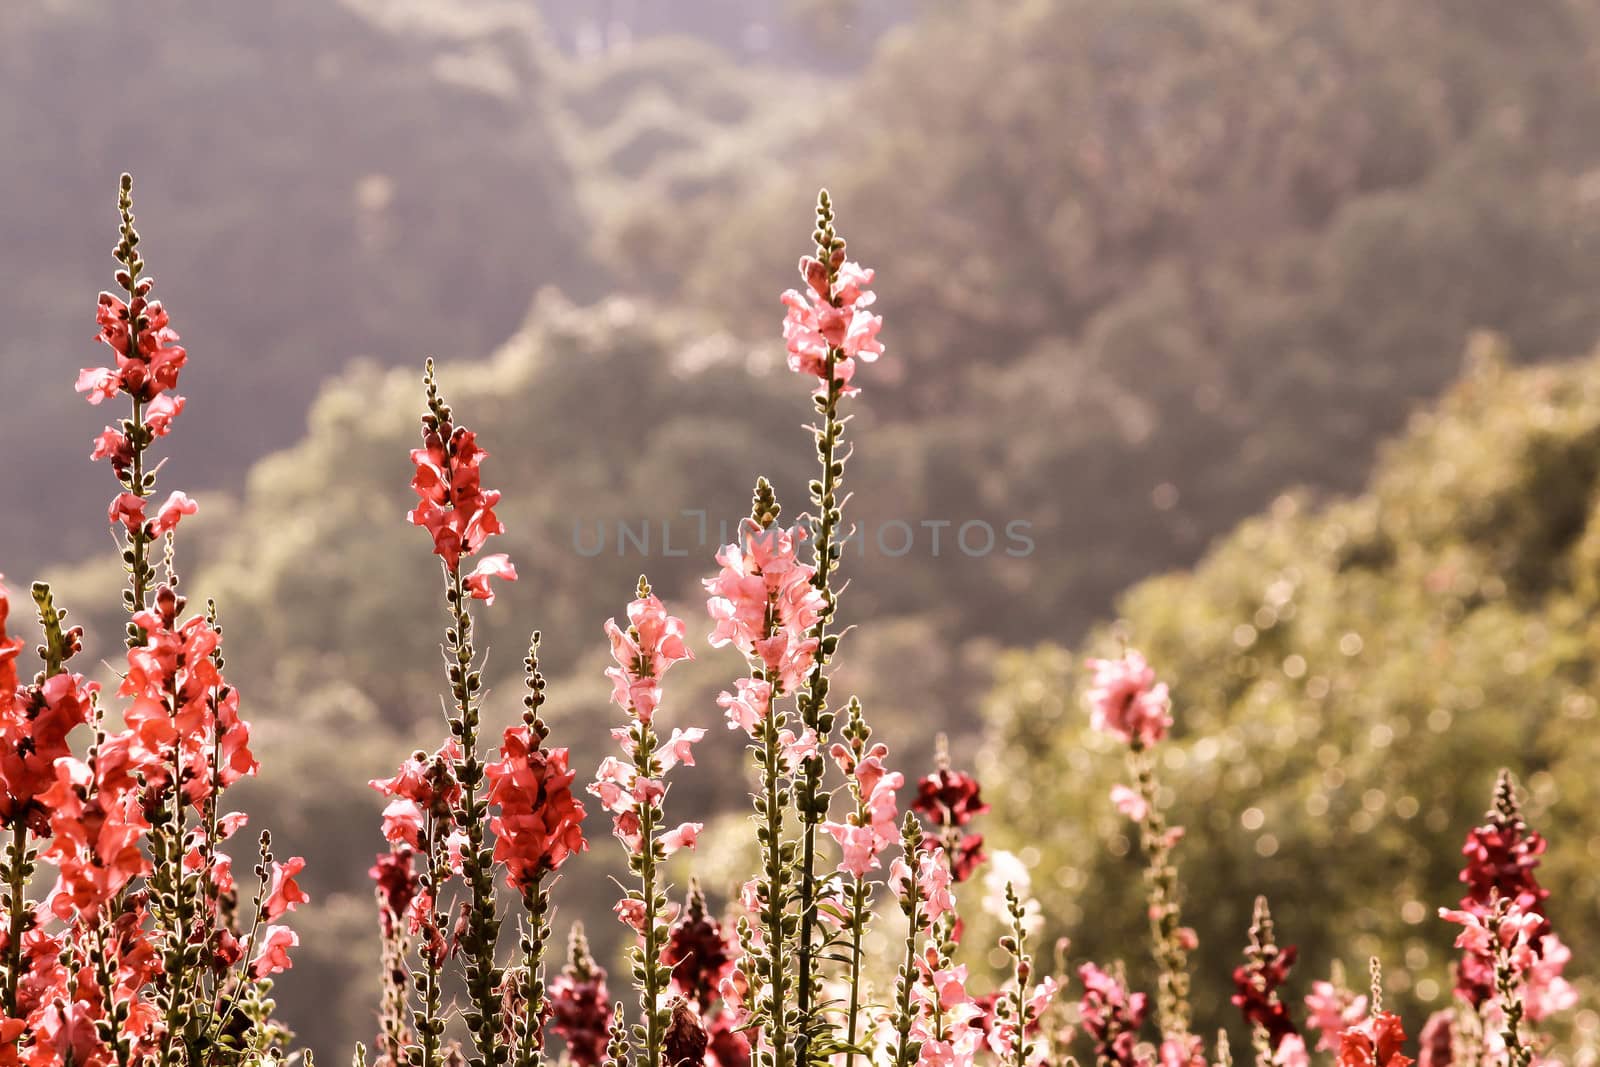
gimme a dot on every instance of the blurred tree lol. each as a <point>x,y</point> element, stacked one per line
<point>1346,681</point>
<point>321,181</point>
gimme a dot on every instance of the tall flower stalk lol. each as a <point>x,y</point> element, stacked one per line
<point>1129,704</point>
<point>837,307</point>
<point>764,602</point>
<point>862,838</point>
<point>633,792</point>
<point>464,816</point>
<point>777,612</point>
<point>1257,983</point>
<point>136,955</point>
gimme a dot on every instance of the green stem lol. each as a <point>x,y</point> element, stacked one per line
<point>858,921</point>
<point>650,987</point>
<point>1161,881</point>
<point>483,977</point>
<point>17,865</point>
<point>774,910</point>
<point>905,1014</point>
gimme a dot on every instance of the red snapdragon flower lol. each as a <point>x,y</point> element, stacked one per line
<point>729,1046</point>
<point>394,879</point>
<point>1127,702</point>
<point>540,824</point>
<point>33,736</point>
<point>144,370</point>
<point>1501,858</point>
<point>452,504</point>
<point>1376,1042</point>
<point>424,784</point>
<point>95,838</point>
<point>10,648</point>
<point>284,893</point>
<point>181,701</point>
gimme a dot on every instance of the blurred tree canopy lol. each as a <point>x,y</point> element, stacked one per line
<point>1347,679</point>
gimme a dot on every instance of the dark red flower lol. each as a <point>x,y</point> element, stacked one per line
<point>1501,857</point>
<point>949,798</point>
<point>1436,1042</point>
<point>698,951</point>
<point>1256,985</point>
<point>395,882</point>
<point>580,1006</point>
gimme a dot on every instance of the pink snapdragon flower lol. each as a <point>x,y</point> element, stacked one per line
<point>1331,1011</point>
<point>874,825</point>
<point>274,954</point>
<point>830,319</point>
<point>748,707</point>
<point>763,602</point>
<point>686,835</point>
<point>651,644</point>
<point>144,370</point>
<point>1127,702</point>
<point>933,882</point>
<point>1111,1015</point>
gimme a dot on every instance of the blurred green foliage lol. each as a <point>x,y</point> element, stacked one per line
<point>1347,678</point>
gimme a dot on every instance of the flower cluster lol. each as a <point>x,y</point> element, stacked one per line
<point>949,800</point>
<point>828,328</point>
<point>35,722</point>
<point>644,652</point>
<point>138,954</point>
<point>1127,702</point>
<point>580,1005</point>
<point>764,602</point>
<point>1257,981</point>
<point>1502,856</point>
<point>1378,1041</point>
<point>872,827</point>
<point>633,791</point>
<point>1331,1009</point>
<point>468,820</point>
<point>452,504</point>
<point>539,825</point>
<point>138,949</point>
<point>1111,1015</point>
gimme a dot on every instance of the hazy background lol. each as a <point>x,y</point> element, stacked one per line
<point>1159,276</point>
